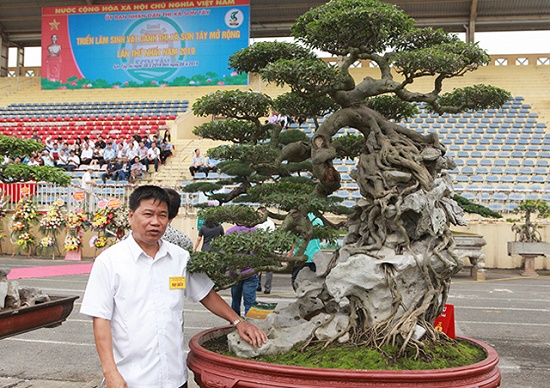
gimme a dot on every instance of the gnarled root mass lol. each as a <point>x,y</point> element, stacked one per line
<point>390,280</point>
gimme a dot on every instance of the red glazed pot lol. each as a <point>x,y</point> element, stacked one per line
<point>213,370</point>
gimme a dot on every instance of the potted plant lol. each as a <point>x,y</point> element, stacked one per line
<point>528,242</point>
<point>391,277</point>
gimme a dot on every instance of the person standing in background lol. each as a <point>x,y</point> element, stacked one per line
<point>267,225</point>
<point>173,235</point>
<point>209,231</point>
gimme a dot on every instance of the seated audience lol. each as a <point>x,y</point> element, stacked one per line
<point>137,170</point>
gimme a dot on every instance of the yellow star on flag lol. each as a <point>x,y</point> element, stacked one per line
<point>54,25</point>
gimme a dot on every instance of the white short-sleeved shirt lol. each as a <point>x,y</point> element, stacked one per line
<point>133,291</point>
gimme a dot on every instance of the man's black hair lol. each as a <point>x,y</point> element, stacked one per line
<point>175,203</point>
<point>148,192</point>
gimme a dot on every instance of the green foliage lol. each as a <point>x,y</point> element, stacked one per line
<point>20,172</point>
<point>392,107</point>
<point>476,97</point>
<point>450,354</point>
<point>259,55</point>
<point>348,146</point>
<point>237,131</point>
<point>291,136</point>
<point>347,26</point>
<point>308,77</point>
<point>534,206</point>
<point>419,38</point>
<point>233,103</point>
<point>15,146</point>
<point>449,59</point>
<point>254,154</point>
<point>475,208</point>
<point>294,105</point>
<point>240,214</point>
<point>531,210</point>
<point>202,186</point>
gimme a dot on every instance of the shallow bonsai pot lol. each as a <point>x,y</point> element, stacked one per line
<point>48,314</point>
<point>213,370</point>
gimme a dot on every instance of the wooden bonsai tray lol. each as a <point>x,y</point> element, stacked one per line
<point>49,314</point>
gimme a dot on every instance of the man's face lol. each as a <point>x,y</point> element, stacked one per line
<point>149,221</point>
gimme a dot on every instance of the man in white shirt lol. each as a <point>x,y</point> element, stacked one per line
<point>87,184</point>
<point>87,154</point>
<point>153,156</point>
<point>135,295</point>
<point>62,159</point>
<point>73,161</point>
<point>198,164</point>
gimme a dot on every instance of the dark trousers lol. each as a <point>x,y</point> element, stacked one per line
<point>298,268</point>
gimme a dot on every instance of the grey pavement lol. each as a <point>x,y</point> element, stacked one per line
<point>507,311</point>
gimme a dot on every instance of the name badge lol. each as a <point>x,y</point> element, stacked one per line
<point>177,282</point>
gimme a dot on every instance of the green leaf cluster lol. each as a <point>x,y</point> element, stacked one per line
<point>237,131</point>
<point>475,208</point>
<point>348,26</point>
<point>259,55</point>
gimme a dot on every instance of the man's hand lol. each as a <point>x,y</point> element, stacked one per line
<point>251,334</point>
<point>115,380</point>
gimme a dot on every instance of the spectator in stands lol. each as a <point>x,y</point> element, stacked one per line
<point>153,156</point>
<point>109,153</point>
<point>172,234</point>
<point>165,150</point>
<point>137,169</point>
<point>77,147</point>
<point>113,167</point>
<point>97,157</point>
<point>49,143</point>
<point>54,151</point>
<point>62,159</point>
<point>167,136</point>
<point>35,136</point>
<point>100,142</point>
<point>34,160</point>
<point>90,142</point>
<point>65,147</point>
<point>125,169</point>
<point>86,154</point>
<point>274,118</point>
<point>131,152</point>
<point>198,164</point>
<point>142,152</point>
<point>73,161</point>
<point>212,165</point>
<point>47,159</point>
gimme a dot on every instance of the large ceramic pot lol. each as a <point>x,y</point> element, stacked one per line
<point>213,370</point>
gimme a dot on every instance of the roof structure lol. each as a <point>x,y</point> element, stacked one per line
<point>20,20</point>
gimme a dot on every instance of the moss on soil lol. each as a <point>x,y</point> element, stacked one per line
<point>449,354</point>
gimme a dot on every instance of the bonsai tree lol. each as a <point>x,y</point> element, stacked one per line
<point>391,278</point>
<point>531,210</point>
<point>20,172</point>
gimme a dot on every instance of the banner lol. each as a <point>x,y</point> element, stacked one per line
<point>168,43</point>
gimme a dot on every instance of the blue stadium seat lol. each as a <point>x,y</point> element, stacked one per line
<point>499,196</point>
<point>496,207</point>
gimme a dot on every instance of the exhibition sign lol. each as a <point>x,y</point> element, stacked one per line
<point>148,44</point>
